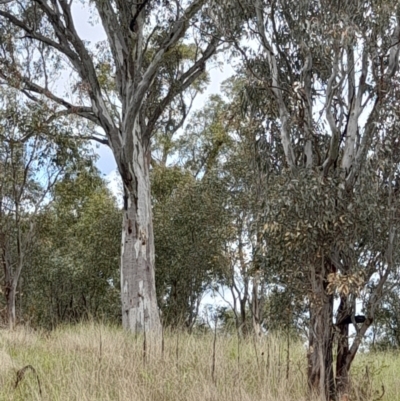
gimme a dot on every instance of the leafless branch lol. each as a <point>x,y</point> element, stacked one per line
<point>335,133</point>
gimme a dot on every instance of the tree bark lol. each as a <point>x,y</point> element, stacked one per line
<point>10,283</point>
<point>320,358</point>
<point>256,305</point>
<point>138,292</point>
<point>342,370</point>
<point>244,330</point>
<point>10,297</point>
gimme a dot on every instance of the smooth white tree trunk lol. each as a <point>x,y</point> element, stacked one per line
<point>139,303</point>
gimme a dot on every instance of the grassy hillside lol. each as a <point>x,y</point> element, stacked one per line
<point>94,362</point>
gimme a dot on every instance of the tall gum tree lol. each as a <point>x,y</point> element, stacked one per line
<point>141,53</point>
<point>329,74</point>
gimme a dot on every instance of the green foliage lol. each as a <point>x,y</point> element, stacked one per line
<point>386,330</point>
<point>74,272</point>
<point>206,138</point>
<point>189,220</point>
<point>34,153</point>
<point>310,219</point>
<point>284,313</point>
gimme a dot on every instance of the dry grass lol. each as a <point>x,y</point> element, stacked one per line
<point>95,362</point>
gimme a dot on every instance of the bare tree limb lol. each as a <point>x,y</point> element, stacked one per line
<point>31,34</point>
<point>176,33</point>
<point>83,111</point>
<point>335,133</point>
<point>186,79</point>
<point>283,112</point>
<point>354,114</point>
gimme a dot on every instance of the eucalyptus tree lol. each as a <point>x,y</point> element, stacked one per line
<point>75,276</point>
<point>189,227</point>
<point>385,335</point>
<point>122,85</point>
<point>221,144</point>
<point>32,157</point>
<point>241,176</point>
<point>190,213</point>
<point>326,75</point>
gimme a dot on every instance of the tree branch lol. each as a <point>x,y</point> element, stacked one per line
<point>394,49</point>
<point>139,8</point>
<point>182,84</point>
<point>335,138</point>
<point>177,31</point>
<point>31,34</point>
<point>83,111</point>
<point>103,141</point>
<point>283,112</point>
<point>354,112</point>
<point>374,300</point>
<point>118,45</point>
